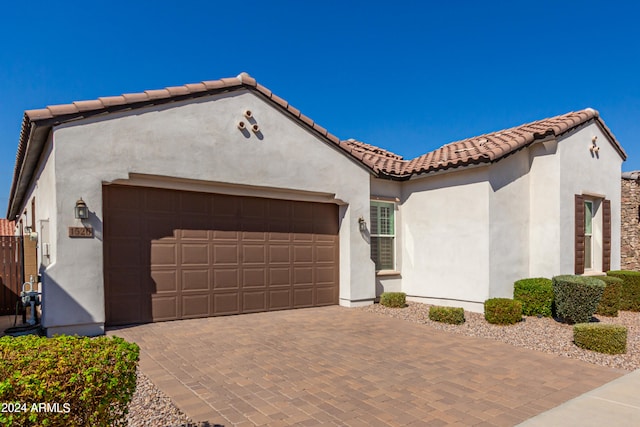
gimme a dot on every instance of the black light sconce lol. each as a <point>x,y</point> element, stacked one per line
<point>81,209</point>
<point>362,224</point>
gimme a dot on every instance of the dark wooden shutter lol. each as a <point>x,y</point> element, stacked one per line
<point>579,222</point>
<point>606,235</point>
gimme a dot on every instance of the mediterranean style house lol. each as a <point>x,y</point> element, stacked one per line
<point>222,198</point>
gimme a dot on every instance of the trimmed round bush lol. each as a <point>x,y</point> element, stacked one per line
<point>603,338</point>
<point>577,297</point>
<point>451,315</point>
<point>502,311</point>
<point>630,295</point>
<point>393,299</point>
<point>610,301</point>
<point>536,296</point>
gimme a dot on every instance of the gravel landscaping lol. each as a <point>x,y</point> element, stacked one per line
<point>152,408</point>
<point>541,334</point>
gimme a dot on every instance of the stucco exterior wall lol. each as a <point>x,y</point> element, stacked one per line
<point>630,227</point>
<point>445,229</point>
<point>196,140</point>
<point>598,175</point>
<point>509,213</point>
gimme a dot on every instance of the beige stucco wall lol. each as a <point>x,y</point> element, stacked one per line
<point>584,173</point>
<point>445,229</point>
<point>197,141</point>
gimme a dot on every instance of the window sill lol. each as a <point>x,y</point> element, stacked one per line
<point>384,273</point>
<point>594,273</point>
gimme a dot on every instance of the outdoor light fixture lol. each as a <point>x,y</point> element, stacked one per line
<point>81,209</point>
<point>362,224</point>
<point>28,229</point>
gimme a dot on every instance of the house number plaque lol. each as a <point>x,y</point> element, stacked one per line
<point>81,232</point>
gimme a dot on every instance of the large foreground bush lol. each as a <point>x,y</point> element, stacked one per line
<point>536,296</point>
<point>502,311</point>
<point>603,338</point>
<point>577,297</point>
<point>630,295</point>
<point>84,381</point>
<point>610,301</point>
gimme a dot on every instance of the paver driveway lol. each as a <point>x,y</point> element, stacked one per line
<point>339,366</point>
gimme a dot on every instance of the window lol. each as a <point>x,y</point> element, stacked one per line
<point>383,235</point>
<point>588,234</point>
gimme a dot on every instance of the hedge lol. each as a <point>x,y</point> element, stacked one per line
<point>451,315</point>
<point>393,299</point>
<point>630,295</point>
<point>502,311</point>
<point>536,296</point>
<point>603,338</point>
<point>610,301</point>
<point>577,297</point>
<point>85,381</point>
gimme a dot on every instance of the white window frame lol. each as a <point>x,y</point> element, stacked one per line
<point>588,237</point>
<point>392,235</point>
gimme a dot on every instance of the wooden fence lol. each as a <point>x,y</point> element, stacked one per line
<point>11,273</point>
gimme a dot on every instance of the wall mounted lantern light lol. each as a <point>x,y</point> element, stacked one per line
<point>81,209</point>
<point>362,224</point>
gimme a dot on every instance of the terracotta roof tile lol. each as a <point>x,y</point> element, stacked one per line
<point>481,149</point>
<point>7,228</point>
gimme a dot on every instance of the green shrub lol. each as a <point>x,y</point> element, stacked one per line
<point>502,311</point>
<point>536,296</point>
<point>91,379</point>
<point>393,299</point>
<point>603,338</point>
<point>630,295</point>
<point>610,301</point>
<point>451,315</point>
<point>577,297</point>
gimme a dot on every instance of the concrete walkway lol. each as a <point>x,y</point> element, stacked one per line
<point>339,366</point>
<point>614,404</point>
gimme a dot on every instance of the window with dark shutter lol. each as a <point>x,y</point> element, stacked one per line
<point>606,235</point>
<point>383,235</point>
<point>579,233</point>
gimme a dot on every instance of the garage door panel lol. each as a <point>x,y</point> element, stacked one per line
<point>279,299</point>
<point>195,254</point>
<point>326,295</point>
<point>160,201</point>
<point>175,254</point>
<point>161,227</point>
<point>164,308</point>
<point>279,276</point>
<point>302,276</point>
<point>303,297</point>
<point>164,281</point>
<point>195,305</point>
<point>195,280</point>
<point>279,254</point>
<point>254,301</point>
<point>226,278</point>
<point>254,277</point>
<point>125,253</point>
<point>225,254</point>
<point>253,254</point>
<point>164,254</point>
<point>195,203</point>
<point>226,303</point>
<point>302,253</point>
<point>325,254</point>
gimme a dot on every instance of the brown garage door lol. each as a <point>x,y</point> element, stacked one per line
<point>176,254</point>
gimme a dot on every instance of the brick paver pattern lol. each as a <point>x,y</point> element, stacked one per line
<point>340,366</point>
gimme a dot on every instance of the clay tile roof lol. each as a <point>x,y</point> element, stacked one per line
<point>493,146</point>
<point>7,227</point>
<point>481,149</point>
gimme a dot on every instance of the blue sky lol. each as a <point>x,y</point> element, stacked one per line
<point>406,76</point>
